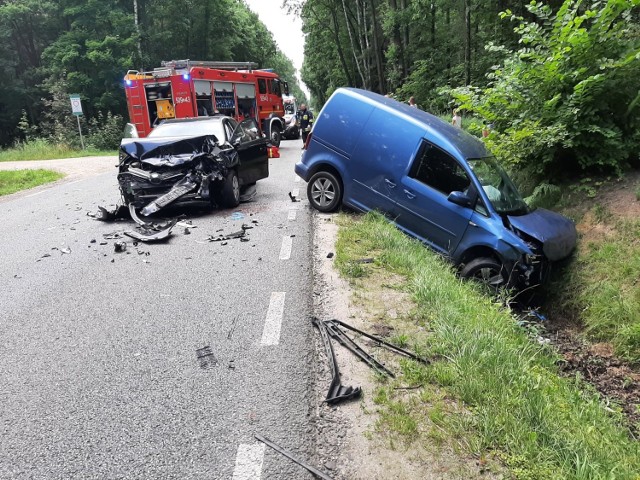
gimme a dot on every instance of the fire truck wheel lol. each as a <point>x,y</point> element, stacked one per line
<point>275,136</point>
<point>228,194</point>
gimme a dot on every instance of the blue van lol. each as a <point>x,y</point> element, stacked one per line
<point>433,181</point>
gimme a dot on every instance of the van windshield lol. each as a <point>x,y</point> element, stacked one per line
<point>499,188</point>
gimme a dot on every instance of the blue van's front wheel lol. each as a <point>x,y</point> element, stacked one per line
<point>324,192</point>
<point>486,270</point>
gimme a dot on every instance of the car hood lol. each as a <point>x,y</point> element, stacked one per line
<point>169,151</point>
<point>556,232</point>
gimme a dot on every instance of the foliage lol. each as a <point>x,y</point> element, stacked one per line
<point>51,49</point>
<point>545,425</point>
<point>105,131</point>
<point>567,99</point>
<point>16,180</point>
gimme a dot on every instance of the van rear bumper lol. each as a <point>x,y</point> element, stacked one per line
<point>302,171</point>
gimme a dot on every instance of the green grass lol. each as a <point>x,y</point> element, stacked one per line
<point>542,425</point>
<point>603,285</point>
<point>43,150</point>
<point>16,180</point>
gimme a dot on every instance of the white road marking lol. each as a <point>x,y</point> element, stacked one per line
<point>296,192</point>
<point>285,250</point>
<point>292,213</point>
<point>297,179</point>
<point>249,461</point>
<point>273,322</point>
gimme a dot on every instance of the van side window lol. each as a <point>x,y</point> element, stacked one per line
<point>262,85</point>
<point>439,170</point>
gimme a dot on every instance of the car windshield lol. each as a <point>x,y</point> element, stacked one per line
<point>499,188</point>
<point>189,129</point>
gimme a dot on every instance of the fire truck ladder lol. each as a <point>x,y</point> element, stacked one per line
<point>136,99</point>
<point>180,64</point>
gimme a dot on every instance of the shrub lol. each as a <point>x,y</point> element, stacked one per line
<point>105,131</point>
<point>567,100</point>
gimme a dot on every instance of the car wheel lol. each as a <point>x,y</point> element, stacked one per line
<point>486,270</point>
<point>324,192</point>
<point>275,136</point>
<point>228,196</point>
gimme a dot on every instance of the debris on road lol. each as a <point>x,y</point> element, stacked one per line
<point>337,392</point>
<point>330,255</point>
<point>290,456</point>
<point>293,198</point>
<point>206,358</point>
<point>148,235</point>
<point>104,215</point>
<point>119,247</point>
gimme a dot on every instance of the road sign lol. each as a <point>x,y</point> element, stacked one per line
<point>76,105</point>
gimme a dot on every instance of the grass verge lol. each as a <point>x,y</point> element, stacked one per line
<point>542,425</point>
<point>15,180</point>
<point>43,150</point>
<point>602,284</point>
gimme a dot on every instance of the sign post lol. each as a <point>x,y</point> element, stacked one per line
<point>76,109</point>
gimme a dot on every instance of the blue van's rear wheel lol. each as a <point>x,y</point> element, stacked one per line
<point>324,192</point>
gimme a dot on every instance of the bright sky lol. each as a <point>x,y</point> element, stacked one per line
<point>286,29</point>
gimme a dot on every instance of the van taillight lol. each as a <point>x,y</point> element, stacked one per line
<point>306,144</point>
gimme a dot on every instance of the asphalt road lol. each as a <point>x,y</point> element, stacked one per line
<point>99,376</point>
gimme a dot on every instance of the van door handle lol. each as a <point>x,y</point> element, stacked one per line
<point>409,194</point>
<point>390,183</point>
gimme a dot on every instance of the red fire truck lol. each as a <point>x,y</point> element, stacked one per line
<point>187,89</point>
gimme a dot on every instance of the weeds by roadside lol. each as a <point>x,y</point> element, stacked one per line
<point>16,180</point>
<point>43,150</point>
<point>542,425</point>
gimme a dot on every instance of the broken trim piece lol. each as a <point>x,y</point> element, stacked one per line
<point>156,237</point>
<point>337,392</point>
<point>390,346</point>
<point>290,456</point>
<point>336,332</point>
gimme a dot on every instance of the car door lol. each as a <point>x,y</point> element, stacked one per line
<point>252,151</point>
<point>423,208</point>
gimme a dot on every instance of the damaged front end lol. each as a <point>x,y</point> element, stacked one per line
<point>156,172</point>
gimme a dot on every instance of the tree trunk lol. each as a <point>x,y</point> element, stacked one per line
<point>467,42</point>
<point>136,19</point>
<point>353,43</point>
<point>377,50</point>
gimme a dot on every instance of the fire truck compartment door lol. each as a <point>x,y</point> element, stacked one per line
<point>203,87</point>
<point>245,90</point>
<point>223,87</point>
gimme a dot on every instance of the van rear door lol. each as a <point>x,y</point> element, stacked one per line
<point>423,208</point>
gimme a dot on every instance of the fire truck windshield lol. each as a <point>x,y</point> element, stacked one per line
<point>191,128</point>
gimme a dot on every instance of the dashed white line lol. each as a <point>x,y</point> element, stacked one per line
<point>296,192</point>
<point>292,214</point>
<point>285,250</point>
<point>249,461</point>
<point>273,322</point>
<point>297,179</point>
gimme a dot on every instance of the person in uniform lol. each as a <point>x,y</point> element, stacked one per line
<point>305,118</point>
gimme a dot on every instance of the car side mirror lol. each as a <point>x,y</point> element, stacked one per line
<point>461,199</point>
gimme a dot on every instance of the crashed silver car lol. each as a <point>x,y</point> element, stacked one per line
<point>211,159</point>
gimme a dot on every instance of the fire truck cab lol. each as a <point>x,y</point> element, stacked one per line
<point>188,89</point>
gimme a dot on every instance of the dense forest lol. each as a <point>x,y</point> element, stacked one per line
<point>559,82</point>
<point>52,48</point>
